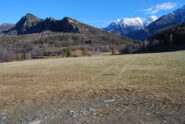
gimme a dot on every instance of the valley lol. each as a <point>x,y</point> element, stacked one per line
<point>69,63</point>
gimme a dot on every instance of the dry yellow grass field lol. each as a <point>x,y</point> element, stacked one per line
<point>141,88</point>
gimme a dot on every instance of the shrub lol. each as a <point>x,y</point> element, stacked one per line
<point>84,52</point>
<point>20,57</point>
<point>68,52</point>
<point>113,51</point>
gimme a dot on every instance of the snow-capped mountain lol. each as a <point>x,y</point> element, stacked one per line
<point>5,26</point>
<point>2,24</point>
<point>171,19</point>
<point>123,26</point>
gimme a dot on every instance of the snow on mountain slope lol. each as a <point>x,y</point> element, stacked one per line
<point>123,26</point>
<point>5,26</point>
<point>126,22</point>
<point>171,19</point>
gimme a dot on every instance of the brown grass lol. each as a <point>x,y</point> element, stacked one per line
<point>159,76</point>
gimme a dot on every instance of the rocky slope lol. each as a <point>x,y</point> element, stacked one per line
<point>30,24</point>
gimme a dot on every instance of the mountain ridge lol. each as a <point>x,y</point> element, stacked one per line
<point>171,19</point>
<point>5,26</point>
<point>123,26</point>
<point>29,24</point>
<point>33,37</point>
<point>141,31</point>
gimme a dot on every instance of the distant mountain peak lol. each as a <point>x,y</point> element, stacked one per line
<point>171,19</point>
<point>24,23</point>
<point>27,20</point>
<point>30,17</point>
<point>69,19</point>
<point>138,21</point>
<point>5,26</point>
<point>123,26</point>
<point>1,24</point>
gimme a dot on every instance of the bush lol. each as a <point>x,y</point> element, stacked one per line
<point>20,57</point>
<point>68,52</point>
<point>127,49</point>
<point>84,52</point>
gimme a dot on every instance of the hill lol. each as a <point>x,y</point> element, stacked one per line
<point>33,37</point>
<point>30,24</point>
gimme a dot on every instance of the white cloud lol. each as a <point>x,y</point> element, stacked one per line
<point>159,7</point>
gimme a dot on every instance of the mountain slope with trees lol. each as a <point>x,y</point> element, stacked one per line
<point>169,39</point>
<point>33,37</point>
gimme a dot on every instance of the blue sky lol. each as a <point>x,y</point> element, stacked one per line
<point>97,13</point>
